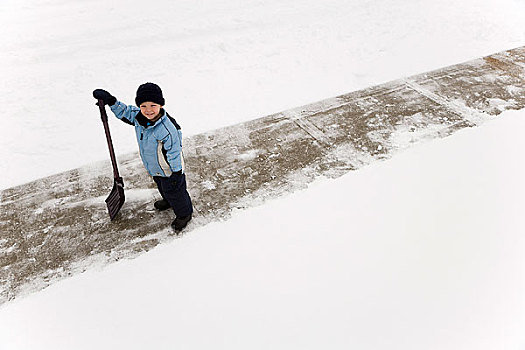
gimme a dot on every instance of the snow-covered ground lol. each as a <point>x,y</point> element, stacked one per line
<point>219,61</point>
<point>423,251</point>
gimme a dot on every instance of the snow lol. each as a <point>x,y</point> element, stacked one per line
<point>423,251</point>
<point>219,62</point>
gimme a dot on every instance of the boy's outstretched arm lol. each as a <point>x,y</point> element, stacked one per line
<point>122,111</point>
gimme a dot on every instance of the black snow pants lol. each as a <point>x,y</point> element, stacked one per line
<point>173,190</point>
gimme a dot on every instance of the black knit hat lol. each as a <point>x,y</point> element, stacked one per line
<point>149,92</point>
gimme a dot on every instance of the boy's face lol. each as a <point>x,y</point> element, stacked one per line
<point>150,109</point>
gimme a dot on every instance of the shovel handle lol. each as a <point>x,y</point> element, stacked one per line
<point>104,117</point>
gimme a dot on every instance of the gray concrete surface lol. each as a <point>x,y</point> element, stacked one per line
<point>58,226</point>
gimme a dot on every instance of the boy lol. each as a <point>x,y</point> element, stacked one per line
<point>160,144</point>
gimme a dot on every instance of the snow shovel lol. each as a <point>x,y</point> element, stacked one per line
<point>116,198</point>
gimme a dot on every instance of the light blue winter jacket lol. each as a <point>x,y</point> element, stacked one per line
<point>160,143</point>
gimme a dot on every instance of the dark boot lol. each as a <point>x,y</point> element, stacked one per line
<point>179,223</point>
<point>162,205</point>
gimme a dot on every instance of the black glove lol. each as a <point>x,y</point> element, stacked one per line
<point>105,96</point>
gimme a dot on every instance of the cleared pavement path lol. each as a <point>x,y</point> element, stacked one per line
<point>58,226</point>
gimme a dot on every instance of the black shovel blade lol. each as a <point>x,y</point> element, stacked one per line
<point>116,198</point>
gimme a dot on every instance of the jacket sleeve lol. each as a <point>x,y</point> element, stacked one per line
<point>124,112</point>
<point>174,151</point>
